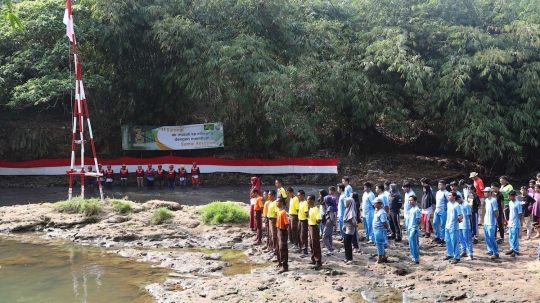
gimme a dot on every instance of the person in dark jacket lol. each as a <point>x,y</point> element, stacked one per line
<point>395,206</point>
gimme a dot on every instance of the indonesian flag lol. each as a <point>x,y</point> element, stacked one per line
<point>68,21</point>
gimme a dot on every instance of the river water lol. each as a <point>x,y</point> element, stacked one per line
<point>69,273</point>
<point>185,196</point>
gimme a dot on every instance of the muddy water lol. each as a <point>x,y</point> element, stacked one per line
<point>58,273</point>
<point>186,196</point>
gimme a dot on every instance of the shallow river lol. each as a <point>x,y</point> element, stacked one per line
<point>66,272</point>
<point>186,196</point>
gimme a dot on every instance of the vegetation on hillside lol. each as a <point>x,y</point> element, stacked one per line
<point>290,77</point>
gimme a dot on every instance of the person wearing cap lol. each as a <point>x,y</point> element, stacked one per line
<point>368,211</point>
<point>90,180</point>
<point>139,174</point>
<point>506,187</point>
<point>124,174</point>
<point>195,175</point>
<point>490,222</point>
<point>413,229</point>
<point>407,189</point>
<point>281,224</point>
<point>150,175</point>
<point>314,218</point>
<point>499,197</point>
<point>102,172</point>
<point>160,175</point>
<point>439,217</point>
<point>515,222</point>
<point>465,235</point>
<point>479,185</point>
<point>380,229</point>
<point>109,177</point>
<point>171,176</point>
<point>182,175</point>
<point>454,216</point>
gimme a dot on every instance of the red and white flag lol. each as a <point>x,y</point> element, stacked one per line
<point>68,21</point>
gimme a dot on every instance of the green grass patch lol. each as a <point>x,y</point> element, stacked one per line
<point>77,205</point>
<point>121,207</point>
<point>161,215</point>
<point>223,212</point>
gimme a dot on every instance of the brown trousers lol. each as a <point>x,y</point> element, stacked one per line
<point>283,250</point>
<point>273,233</point>
<point>315,244</point>
<point>267,230</point>
<point>258,221</point>
<point>294,229</point>
<point>303,230</point>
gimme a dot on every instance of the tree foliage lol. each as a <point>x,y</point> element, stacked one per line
<point>290,77</point>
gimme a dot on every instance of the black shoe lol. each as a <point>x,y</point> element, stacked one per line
<point>509,252</point>
<point>397,239</point>
<point>317,266</point>
<point>437,240</point>
<point>442,242</point>
<point>454,261</point>
<point>499,241</point>
<point>448,258</point>
<point>475,241</point>
<point>513,254</point>
<point>312,262</point>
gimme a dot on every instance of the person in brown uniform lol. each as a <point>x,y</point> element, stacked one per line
<point>314,218</point>
<point>258,208</point>
<point>272,214</point>
<point>266,197</point>
<point>282,222</point>
<point>303,223</point>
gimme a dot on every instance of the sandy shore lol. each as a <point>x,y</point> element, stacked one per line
<point>205,269</point>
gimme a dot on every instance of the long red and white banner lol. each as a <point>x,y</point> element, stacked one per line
<point>206,165</point>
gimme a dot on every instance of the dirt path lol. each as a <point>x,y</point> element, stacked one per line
<point>205,268</point>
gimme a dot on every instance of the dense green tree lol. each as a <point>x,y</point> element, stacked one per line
<point>291,77</point>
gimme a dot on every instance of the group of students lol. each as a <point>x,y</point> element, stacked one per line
<point>295,219</point>
<point>150,175</point>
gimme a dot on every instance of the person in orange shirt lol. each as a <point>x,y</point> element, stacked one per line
<point>258,208</point>
<point>267,202</point>
<point>282,251</point>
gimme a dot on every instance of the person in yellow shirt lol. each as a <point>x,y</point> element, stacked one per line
<point>303,210</point>
<point>314,218</point>
<point>282,222</point>
<point>294,205</point>
<point>258,209</point>
<point>272,214</point>
<point>281,193</point>
<point>266,196</point>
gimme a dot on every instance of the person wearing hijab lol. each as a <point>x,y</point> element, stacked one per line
<point>428,201</point>
<point>255,184</point>
<point>395,206</point>
<point>350,224</point>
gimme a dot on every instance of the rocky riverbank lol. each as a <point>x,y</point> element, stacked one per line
<point>221,263</point>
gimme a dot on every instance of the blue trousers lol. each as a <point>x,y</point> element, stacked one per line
<point>439,222</point>
<point>171,184</point>
<point>342,233</point>
<point>379,241</point>
<point>406,222</point>
<point>514,238</point>
<point>355,239</point>
<point>474,224</point>
<point>368,226</point>
<point>124,181</point>
<point>414,244</point>
<point>465,239</point>
<point>452,248</point>
<point>489,233</point>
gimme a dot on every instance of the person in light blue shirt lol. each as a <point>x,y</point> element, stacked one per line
<point>515,220</point>
<point>465,234</point>
<point>408,193</point>
<point>379,190</point>
<point>380,228</point>
<point>368,211</point>
<point>348,188</point>
<point>454,216</point>
<point>439,218</point>
<point>490,222</point>
<point>413,229</point>
<point>341,209</point>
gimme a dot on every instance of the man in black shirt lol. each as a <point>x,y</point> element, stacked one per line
<point>500,204</point>
<point>525,200</point>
